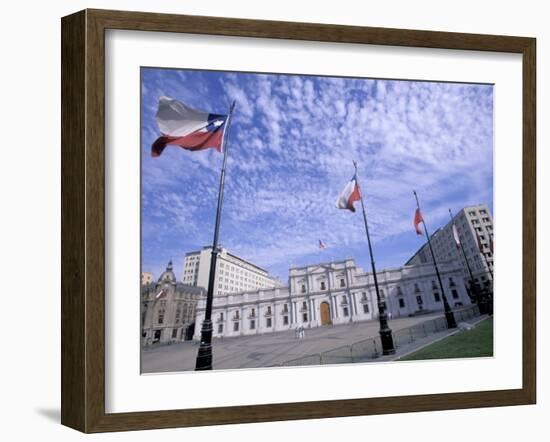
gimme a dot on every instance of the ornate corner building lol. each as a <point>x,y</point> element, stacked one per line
<point>168,309</point>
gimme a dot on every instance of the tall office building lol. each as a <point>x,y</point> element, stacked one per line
<point>233,274</point>
<point>471,222</point>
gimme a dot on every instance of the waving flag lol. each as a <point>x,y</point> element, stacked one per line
<point>322,245</point>
<point>349,195</point>
<point>456,237</point>
<point>417,220</point>
<point>160,294</point>
<point>186,127</point>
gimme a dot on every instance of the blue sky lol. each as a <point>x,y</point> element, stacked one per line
<point>293,139</point>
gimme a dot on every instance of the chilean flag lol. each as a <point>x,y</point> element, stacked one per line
<point>186,127</point>
<point>456,237</point>
<point>417,220</point>
<point>349,195</point>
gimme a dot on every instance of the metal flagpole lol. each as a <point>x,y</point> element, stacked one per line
<point>473,286</point>
<point>385,331</point>
<point>485,294</point>
<point>449,315</point>
<point>204,355</point>
<point>487,264</point>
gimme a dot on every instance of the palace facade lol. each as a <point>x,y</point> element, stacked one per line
<point>334,293</point>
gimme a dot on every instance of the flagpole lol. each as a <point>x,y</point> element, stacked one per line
<point>385,331</point>
<point>473,285</point>
<point>487,264</point>
<point>204,355</point>
<point>487,295</point>
<point>449,315</point>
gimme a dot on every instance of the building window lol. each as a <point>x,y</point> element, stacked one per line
<point>285,308</point>
<point>268,323</point>
<point>434,286</point>
<point>161,317</point>
<point>268,310</point>
<point>221,316</point>
<point>304,305</point>
<point>178,315</point>
<point>304,317</point>
<point>235,326</point>
<point>399,292</point>
<point>454,293</point>
<point>253,312</point>
<point>365,308</point>
<point>344,299</point>
<point>346,313</point>
<point>285,320</point>
<point>437,298</point>
<point>174,333</point>
<point>323,286</point>
<point>220,328</point>
<point>451,282</point>
<point>419,300</point>
<point>303,288</point>
<point>416,288</point>
<point>401,303</point>
<point>252,325</point>
<point>342,283</point>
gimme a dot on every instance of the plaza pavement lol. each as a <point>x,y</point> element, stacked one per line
<point>271,349</point>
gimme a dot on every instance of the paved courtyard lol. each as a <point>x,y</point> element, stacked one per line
<point>269,349</point>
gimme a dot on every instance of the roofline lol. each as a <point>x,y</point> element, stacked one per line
<point>233,256</point>
<point>327,263</point>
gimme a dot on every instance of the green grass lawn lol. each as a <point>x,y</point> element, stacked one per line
<point>473,343</point>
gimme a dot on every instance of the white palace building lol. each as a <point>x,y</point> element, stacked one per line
<point>334,293</point>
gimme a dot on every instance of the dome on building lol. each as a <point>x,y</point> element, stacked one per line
<point>168,274</point>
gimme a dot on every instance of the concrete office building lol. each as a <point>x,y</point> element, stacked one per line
<point>233,274</point>
<point>471,222</point>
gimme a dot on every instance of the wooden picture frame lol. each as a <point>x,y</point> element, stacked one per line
<point>83,220</point>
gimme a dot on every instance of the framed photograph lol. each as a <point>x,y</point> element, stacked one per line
<point>267,221</point>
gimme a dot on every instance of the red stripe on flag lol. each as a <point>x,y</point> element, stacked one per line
<point>355,196</point>
<point>417,220</point>
<point>195,141</point>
